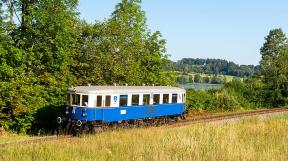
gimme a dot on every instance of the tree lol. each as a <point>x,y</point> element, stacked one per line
<point>197,78</point>
<point>273,67</point>
<point>35,59</point>
<point>122,50</point>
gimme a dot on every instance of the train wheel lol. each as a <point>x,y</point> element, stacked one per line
<point>68,129</point>
<point>176,119</point>
<point>84,129</point>
<point>183,117</point>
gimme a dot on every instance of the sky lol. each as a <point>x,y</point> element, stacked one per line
<point>222,29</point>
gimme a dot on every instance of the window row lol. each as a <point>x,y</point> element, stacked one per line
<point>78,99</point>
<point>146,99</point>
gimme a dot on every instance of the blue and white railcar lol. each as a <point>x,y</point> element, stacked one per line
<point>108,104</point>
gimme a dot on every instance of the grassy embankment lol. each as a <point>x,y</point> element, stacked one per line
<point>250,139</point>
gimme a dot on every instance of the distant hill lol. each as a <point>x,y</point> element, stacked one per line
<point>214,66</point>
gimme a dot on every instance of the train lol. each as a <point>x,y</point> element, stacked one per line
<point>93,107</point>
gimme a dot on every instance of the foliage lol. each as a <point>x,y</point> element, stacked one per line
<point>235,95</point>
<point>122,50</point>
<point>50,49</point>
<point>203,78</point>
<point>274,68</point>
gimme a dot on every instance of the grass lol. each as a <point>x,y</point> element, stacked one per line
<point>250,139</point>
<point>10,137</point>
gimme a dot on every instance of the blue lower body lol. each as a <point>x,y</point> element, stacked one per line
<point>114,114</point>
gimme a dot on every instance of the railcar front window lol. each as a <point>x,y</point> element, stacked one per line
<point>135,99</point>
<point>107,101</point>
<point>76,99</point>
<point>84,100</point>
<point>146,98</point>
<point>156,99</point>
<point>68,99</point>
<point>174,98</point>
<point>165,98</point>
<point>123,100</point>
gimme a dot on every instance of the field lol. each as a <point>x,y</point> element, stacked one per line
<point>250,139</point>
<point>201,86</point>
<point>228,78</point>
<point>196,78</point>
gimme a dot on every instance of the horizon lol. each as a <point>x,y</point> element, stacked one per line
<point>233,31</point>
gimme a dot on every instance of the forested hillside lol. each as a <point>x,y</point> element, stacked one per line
<point>214,66</point>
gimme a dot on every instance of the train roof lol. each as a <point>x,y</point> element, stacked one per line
<point>124,89</point>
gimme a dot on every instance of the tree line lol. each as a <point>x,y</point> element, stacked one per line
<point>214,66</point>
<point>197,78</point>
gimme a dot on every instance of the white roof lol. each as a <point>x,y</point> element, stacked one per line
<point>125,89</point>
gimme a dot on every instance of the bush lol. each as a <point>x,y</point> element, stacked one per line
<point>224,100</point>
<point>233,96</point>
<point>198,99</point>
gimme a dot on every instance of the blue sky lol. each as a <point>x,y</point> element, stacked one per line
<point>225,29</point>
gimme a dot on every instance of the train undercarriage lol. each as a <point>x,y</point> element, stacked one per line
<point>77,127</point>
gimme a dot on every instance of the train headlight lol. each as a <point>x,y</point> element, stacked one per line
<point>67,110</point>
<point>74,110</point>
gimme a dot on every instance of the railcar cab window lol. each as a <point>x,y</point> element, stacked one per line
<point>123,100</point>
<point>165,98</point>
<point>146,98</point>
<point>85,100</point>
<point>135,99</point>
<point>68,99</point>
<point>76,99</point>
<point>174,98</point>
<point>156,99</point>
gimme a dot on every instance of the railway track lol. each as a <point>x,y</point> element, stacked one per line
<point>211,118</point>
<point>189,121</point>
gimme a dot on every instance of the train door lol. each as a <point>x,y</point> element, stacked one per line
<point>98,104</point>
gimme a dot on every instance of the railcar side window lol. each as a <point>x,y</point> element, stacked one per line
<point>156,99</point>
<point>146,98</point>
<point>99,101</point>
<point>135,99</point>
<point>123,100</point>
<point>84,100</point>
<point>68,99</point>
<point>107,101</point>
<point>174,98</point>
<point>76,99</point>
<point>165,98</point>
